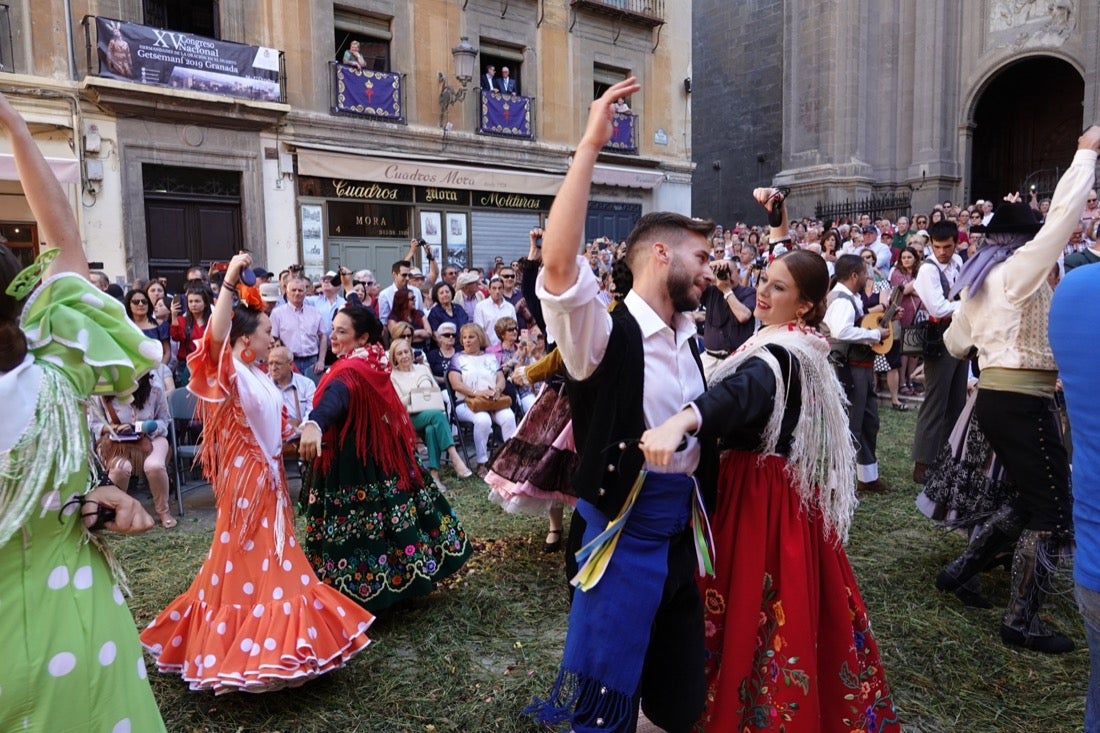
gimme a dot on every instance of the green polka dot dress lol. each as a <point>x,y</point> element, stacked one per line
<point>72,661</point>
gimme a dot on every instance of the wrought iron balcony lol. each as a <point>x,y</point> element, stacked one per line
<point>506,115</point>
<point>649,13</point>
<point>624,134</point>
<point>377,94</point>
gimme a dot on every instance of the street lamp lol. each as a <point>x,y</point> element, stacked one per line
<point>464,55</point>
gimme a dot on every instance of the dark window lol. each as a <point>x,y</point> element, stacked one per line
<point>372,32</point>
<point>200,17</point>
<point>192,217</point>
<point>515,68</point>
<point>375,51</point>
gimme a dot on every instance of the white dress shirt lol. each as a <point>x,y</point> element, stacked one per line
<point>929,289</point>
<point>327,308</point>
<point>581,326</point>
<point>487,313</point>
<point>298,396</point>
<point>841,316</point>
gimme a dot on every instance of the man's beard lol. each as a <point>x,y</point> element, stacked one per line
<point>681,287</point>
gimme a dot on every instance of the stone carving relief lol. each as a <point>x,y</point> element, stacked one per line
<point>1029,23</point>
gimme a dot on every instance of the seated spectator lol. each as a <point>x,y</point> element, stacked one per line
<point>511,351</point>
<point>473,373</point>
<point>397,331</point>
<point>139,309</point>
<point>133,438</point>
<point>412,383</point>
<point>405,311</point>
<point>445,310</point>
<point>296,389</point>
<point>439,359</point>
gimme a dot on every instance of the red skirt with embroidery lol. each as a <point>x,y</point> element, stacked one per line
<point>789,645</point>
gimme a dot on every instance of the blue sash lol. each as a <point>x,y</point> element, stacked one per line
<point>609,624</point>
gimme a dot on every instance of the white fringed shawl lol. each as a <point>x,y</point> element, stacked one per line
<point>821,464</point>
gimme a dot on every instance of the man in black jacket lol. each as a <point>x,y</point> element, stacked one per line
<point>636,625</point>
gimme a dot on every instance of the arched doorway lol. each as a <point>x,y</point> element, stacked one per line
<point>1026,125</point>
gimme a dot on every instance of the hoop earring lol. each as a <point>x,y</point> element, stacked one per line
<point>248,355</point>
<point>799,320</point>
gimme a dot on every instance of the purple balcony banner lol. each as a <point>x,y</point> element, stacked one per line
<point>508,115</point>
<point>145,55</point>
<point>371,93</point>
<point>624,133</point>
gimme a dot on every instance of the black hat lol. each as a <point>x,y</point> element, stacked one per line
<point>1017,218</point>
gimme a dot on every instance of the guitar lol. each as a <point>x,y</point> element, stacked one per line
<point>875,320</point>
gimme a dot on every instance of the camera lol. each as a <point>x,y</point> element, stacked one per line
<point>418,354</point>
<point>422,242</point>
<point>760,262</point>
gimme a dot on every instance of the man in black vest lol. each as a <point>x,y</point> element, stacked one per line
<point>854,362</point>
<point>636,630</point>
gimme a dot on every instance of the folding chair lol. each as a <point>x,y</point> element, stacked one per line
<point>181,411</point>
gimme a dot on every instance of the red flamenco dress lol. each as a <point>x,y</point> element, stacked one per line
<point>788,642</point>
<point>255,618</point>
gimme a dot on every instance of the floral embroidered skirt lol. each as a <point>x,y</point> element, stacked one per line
<point>788,642</point>
<point>374,542</point>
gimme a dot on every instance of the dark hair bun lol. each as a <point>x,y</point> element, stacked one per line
<point>13,345</point>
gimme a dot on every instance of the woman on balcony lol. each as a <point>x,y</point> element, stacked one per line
<point>352,57</point>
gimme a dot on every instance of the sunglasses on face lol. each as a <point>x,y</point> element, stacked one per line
<point>446,335</point>
<point>139,301</point>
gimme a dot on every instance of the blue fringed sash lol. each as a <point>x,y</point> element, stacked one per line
<point>610,623</point>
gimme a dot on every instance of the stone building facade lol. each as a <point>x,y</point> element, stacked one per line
<point>930,100</point>
<point>172,160</point>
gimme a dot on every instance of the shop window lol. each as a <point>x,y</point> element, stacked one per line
<point>200,17</point>
<point>371,32</point>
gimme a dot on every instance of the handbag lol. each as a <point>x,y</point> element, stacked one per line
<point>486,404</point>
<point>132,448</point>
<point>913,338</point>
<point>424,396</point>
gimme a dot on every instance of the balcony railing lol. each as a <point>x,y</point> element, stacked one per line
<point>624,133</point>
<point>644,12</point>
<point>507,115</point>
<point>377,94</point>
<point>177,60</point>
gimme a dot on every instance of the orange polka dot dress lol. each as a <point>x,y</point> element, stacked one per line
<point>255,618</point>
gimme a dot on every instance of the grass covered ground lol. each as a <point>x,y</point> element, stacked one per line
<point>470,656</point>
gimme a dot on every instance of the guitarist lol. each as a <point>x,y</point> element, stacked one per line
<point>851,354</point>
<point>944,375</point>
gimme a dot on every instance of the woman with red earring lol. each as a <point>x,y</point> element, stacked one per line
<point>255,618</point>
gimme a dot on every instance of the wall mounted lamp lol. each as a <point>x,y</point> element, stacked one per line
<point>464,55</point>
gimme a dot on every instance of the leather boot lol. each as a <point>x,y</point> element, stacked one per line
<point>992,539</point>
<point>1032,569</point>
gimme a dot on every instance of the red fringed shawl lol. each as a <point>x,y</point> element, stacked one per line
<point>377,419</point>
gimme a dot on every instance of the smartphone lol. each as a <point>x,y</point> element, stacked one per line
<point>538,242</point>
<point>523,334</point>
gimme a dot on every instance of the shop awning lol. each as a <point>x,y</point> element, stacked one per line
<point>415,170</point>
<point>67,170</point>
<point>619,175</point>
<point>412,172</point>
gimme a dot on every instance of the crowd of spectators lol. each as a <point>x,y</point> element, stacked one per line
<point>433,308</point>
